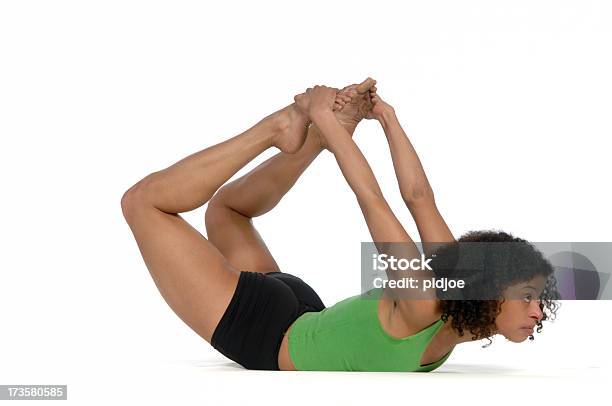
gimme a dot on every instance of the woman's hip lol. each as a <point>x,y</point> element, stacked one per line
<point>261,310</point>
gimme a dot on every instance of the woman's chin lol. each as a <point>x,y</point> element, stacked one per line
<point>516,338</point>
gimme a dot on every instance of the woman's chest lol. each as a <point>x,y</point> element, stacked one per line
<point>398,324</point>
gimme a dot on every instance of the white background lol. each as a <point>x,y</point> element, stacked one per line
<point>507,103</point>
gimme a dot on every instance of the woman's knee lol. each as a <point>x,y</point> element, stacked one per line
<point>135,197</point>
<point>216,211</point>
<point>132,199</point>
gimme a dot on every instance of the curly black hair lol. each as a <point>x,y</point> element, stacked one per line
<point>490,272</point>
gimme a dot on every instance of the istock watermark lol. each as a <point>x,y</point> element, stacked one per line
<point>388,262</point>
<point>488,270</point>
<point>442,284</point>
<point>382,262</point>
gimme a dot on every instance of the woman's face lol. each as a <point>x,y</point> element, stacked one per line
<point>520,311</point>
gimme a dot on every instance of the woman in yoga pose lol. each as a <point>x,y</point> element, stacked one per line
<point>229,289</point>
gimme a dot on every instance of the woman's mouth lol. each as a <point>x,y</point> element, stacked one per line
<point>527,330</point>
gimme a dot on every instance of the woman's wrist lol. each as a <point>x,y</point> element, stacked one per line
<point>320,114</point>
<point>327,123</point>
<point>387,118</point>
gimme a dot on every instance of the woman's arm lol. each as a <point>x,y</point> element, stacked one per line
<point>382,222</point>
<point>413,183</point>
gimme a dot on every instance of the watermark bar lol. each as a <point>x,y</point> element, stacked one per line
<point>33,392</point>
<point>490,270</point>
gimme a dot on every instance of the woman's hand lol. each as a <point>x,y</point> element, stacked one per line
<point>316,100</point>
<point>379,106</point>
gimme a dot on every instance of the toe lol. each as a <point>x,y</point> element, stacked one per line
<point>365,85</point>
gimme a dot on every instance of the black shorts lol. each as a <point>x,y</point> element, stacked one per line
<point>262,308</point>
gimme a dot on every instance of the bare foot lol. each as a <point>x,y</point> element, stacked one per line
<point>352,105</point>
<point>359,105</point>
<point>291,127</point>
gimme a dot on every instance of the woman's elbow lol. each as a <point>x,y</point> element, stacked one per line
<point>419,196</point>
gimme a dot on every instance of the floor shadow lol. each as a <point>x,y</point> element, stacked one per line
<point>478,369</point>
<point>210,364</point>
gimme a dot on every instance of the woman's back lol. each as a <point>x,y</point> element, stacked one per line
<point>349,337</point>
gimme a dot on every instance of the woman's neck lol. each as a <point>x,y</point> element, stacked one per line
<point>448,334</point>
<point>451,336</point>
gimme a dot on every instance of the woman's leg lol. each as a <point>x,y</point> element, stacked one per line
<point>229,224</point>
<point>194,278</point>
<point>229,214</point>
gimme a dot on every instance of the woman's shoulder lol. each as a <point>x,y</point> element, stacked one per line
<point>415,314</point>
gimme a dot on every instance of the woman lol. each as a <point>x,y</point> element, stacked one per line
<point>229,289</point>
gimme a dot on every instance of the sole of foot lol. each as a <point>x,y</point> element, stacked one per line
<point>359,105</point>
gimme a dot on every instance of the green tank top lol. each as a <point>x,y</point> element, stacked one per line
<point>348,337</point>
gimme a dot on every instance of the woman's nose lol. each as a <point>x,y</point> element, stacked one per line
<point>535,311</point>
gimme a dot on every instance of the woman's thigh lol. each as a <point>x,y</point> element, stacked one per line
<point>237,239</point>
<point>193,277</point>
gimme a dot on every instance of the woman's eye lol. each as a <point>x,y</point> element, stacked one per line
<point>527,298</point>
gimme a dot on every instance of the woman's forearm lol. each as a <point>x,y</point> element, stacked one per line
<point>351,161</point>
<point>411,177</point>
<point>382,223</point>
